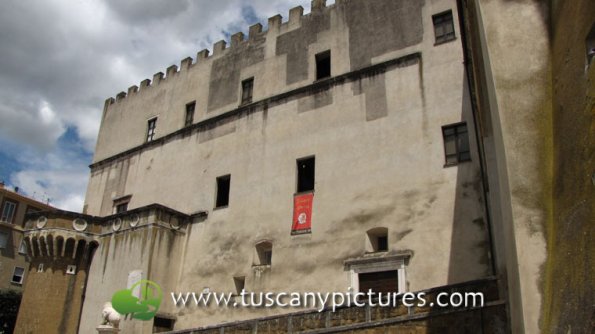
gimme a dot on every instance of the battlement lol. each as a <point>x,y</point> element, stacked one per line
<point>255,31</point>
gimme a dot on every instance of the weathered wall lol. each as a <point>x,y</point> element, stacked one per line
<point>377,138</point>
<point>150,248</point>
<point>53,297</point>
<point>489,319</point>
<point>570,288</point>
<point>511,51</point>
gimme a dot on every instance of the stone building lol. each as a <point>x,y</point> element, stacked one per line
<point>374,144</point>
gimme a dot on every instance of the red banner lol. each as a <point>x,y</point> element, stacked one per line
<point>302,213</point>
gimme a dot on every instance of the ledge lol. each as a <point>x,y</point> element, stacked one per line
<point>379,257</point>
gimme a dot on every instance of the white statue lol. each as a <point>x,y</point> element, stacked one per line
<point>110,316</point>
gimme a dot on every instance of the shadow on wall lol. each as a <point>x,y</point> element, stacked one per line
<point>470,243</point>
<point>470,248</point>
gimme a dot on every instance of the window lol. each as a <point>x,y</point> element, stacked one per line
<point>264,253</point>
<point>456,143</point>
<point>239,283</point>
<point>323,65</point>
<point>17,275</point>
<point>379,282</point>
<point>3,240</point>
<point>377,240</point>
<point>151,126</point>
<point>223,183</point>
<point>444,29</point>
<point>189,113</point>
<point>71,269</point>
<point>247,87</point>
<point>8,210</point>
<point>23,248</point>
<point>122,207</point>
<point>40,268</point>
<point>382,243</point>
<point>121,204</point>
<point>385,273</point>
<point>305,174</point>
<point>161,324</point>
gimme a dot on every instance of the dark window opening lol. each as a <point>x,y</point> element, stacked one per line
<point>223,183</point>
<point>377,240</point>
<point>383,281</point>
<point>161,324</point>
<point>382,242</point>
<point>305,174</point>
<point>444,29</point>
<point>323,65</point>
<point>123,207</point>
<point>151,126</point>
<point>247,87</point>
<point>189,113</point>
<point>456,144</point>
<point>239,283</point>
<point>264,252</point>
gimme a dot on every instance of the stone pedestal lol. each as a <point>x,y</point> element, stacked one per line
<point>107,329</point>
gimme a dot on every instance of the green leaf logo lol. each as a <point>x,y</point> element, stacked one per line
<point>143,308</point>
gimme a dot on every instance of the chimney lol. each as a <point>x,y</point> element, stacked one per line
<point>16,190</point>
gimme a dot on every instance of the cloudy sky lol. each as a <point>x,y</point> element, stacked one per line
<point>60,60</point>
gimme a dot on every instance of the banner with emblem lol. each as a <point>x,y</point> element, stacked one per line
<point>302,213</point>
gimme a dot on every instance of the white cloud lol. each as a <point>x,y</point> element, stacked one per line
<point>61,59</point>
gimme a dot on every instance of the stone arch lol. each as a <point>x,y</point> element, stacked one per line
<point>69,247</point>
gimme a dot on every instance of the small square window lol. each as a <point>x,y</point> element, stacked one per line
<point>3,240</point>
<point>161,324</point>
<point>323,65</point>
<point>18,275</point>
<point>121,204</point>
<point>151,128</point>
<point>305,174</point>
<point>247,87</point>
<point>122,207</point>
<point>223,185</point>
<point>444,29</point>
<point>189,113</point>
<point>456,144</point>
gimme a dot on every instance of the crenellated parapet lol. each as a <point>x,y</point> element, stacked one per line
<point>219,48</point>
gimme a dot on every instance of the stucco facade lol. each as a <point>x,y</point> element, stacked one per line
<point>437,146</point>
<point>374,127</point>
